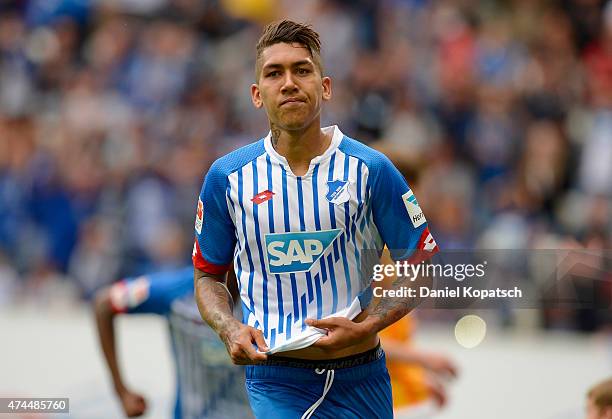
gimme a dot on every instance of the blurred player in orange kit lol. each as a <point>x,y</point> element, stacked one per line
<point>417,376</point>
<point>599,401</point>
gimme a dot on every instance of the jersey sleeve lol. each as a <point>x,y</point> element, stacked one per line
<point>137,295</point>
<point>152,293</point>
<point>397,215</point>
<point>215,236</point>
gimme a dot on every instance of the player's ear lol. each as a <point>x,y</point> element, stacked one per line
<point>327,88</point>
<point>256,96</point>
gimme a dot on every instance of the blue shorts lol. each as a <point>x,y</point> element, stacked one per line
<point>288,392</point>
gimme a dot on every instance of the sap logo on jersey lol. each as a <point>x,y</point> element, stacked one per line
<point>297,251</point>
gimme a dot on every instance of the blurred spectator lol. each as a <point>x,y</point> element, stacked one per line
<point>112,111</point>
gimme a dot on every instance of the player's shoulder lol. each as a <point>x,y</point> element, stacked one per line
<point>238,158</point>
<point>374,160</point>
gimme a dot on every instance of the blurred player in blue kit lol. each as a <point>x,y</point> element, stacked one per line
<point>148,294</point>
<point>303,215</point>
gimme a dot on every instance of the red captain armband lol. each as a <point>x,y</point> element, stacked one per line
<point>426,248</point>
<point>205,266</point>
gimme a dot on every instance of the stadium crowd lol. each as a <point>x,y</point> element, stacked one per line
<point>111,112</point>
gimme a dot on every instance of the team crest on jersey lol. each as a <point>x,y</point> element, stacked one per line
<point>199,217</point>
<point>337,191</point>
<point>414,211</point>
<point>298,251</point>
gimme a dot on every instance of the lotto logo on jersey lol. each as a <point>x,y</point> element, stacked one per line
<point>414,211</point>
<point>298,251</point>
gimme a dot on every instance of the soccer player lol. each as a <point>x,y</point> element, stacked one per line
<point>303,214</point>
<point>152,293</point>
<point>599,401</point>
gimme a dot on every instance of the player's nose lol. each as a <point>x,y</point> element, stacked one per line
<point>289,84</point>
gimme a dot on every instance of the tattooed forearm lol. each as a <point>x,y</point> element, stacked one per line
<point>391,309</point>
<point>214,301</point>
<point>275,134</point>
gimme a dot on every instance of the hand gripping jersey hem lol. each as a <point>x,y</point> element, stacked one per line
<point>312,334</point>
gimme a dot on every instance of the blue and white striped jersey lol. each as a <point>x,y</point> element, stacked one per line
<point>298,243</point>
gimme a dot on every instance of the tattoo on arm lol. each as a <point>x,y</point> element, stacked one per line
<point>214,300</point>
<point>391,309</point>
<point>275,134</point>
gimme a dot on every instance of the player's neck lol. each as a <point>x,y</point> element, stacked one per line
<point>300,147</point>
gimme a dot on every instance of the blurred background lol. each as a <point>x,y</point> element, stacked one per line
<point>111,111</point>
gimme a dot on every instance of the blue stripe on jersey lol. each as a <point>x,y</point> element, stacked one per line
<point>323,271</point>
<point>345,238</point>
<point>315,197</point>
<point>376,239</point>
<point>245,310</point>
<point>303,228</point>
<point>260,250</point>
<point>332,211</point>
<point>332,217</point>
<point>317,279</point>
<point>272,337</point>
<point>296,306</point>
<point>334,287</point>
<point>303,301</point>
<point>336,259</point>
<point>246,241</point>
<point>288,327</point>
<point>354,224</point>
<point>346,204</point>
<point>317,218</point>
<point>366,219</point>
<point>279,284</point>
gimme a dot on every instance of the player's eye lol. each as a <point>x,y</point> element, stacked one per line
<point>303,71</point>
<point>273,73</point>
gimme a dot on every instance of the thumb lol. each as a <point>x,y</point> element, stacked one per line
<point>322,323</point>
<point>259,340</point>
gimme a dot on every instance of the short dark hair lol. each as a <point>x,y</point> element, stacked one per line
<point>289,32</point>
